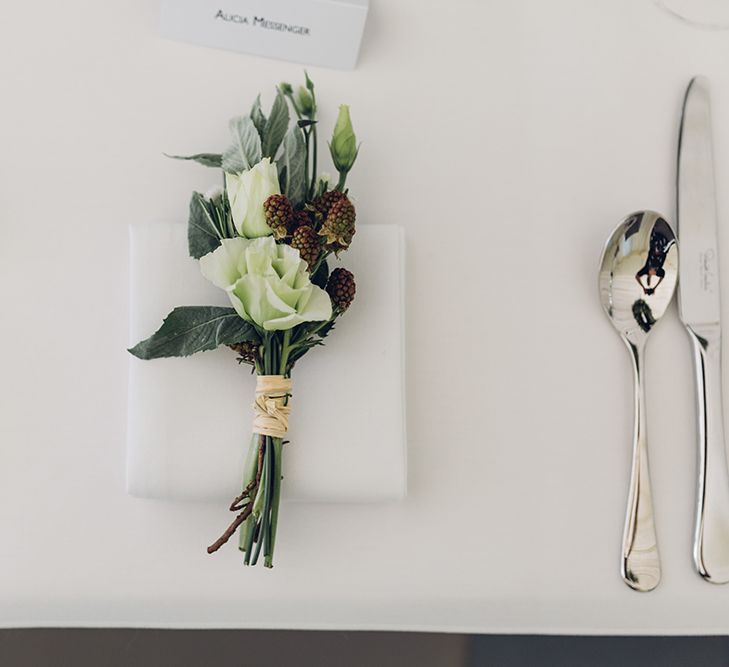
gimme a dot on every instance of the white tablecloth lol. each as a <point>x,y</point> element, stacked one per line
<point>507,137</point>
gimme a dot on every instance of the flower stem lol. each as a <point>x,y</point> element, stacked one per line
<point>249,537</point>
<point>275,500</point>
<point>322,258</point>
<point>264,537</point>
<point>312,186</point>
<point>285,351</point>
<point>291,99</point>
<point>307,135</point>
<point>259,500</point>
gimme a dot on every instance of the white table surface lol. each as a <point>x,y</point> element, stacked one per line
<point>507,137</point>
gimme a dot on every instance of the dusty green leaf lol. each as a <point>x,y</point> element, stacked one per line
<point>276,126</point>
<point>203,235</point>
<point>206,159</point>
<point>190,329</point>
<point>257,116</point>
<point>245,151</point>
<point>293,161</point>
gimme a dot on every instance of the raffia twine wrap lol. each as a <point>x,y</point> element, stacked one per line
<point>270,412</point>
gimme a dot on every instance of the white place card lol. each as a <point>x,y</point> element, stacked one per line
<point>313,32</point>
<point>189,420</point>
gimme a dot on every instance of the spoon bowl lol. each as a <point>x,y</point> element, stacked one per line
<point>638,274</point>
<point>637,281</point>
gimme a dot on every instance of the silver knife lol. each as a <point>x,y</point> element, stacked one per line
<point>700,310</point>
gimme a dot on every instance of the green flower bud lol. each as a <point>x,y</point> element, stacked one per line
<point>343,146</point>
<point>309,82</point>
<point>285,88</point>
<point>304,101</point>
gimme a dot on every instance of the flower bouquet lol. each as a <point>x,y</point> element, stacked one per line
<point>266,238</point>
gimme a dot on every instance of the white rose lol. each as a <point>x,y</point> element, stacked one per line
<point>246,192</point>
<point>267,283</point>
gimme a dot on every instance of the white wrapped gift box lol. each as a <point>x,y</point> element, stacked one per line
<point>189,419</point>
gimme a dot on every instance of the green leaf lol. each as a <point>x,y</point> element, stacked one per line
<point>293,161</point>
<point>207,159</point>
<point>245,150</point>
<point>190,329</point>
<point>321,276</point>
<point>259,120</point>
<point>282,175</point>
<point>312,336</point>
<point>203,235</point>
<point>297,354</point>
<point>326,330</point>
<point>276,126</point>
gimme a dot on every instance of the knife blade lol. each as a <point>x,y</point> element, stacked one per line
<point>697,217</point>
<point>700,311</point>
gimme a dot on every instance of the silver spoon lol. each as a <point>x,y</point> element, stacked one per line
<point>638,277</point>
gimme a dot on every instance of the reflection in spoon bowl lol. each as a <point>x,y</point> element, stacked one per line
<point>639,273</point>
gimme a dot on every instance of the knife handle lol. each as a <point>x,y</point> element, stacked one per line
<point>640,564</point>
<point>711,538</point>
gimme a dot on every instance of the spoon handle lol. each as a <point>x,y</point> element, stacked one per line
<point>711,539</point>
<point>640,565</point>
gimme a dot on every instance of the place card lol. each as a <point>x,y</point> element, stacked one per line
<point>326,33</point>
